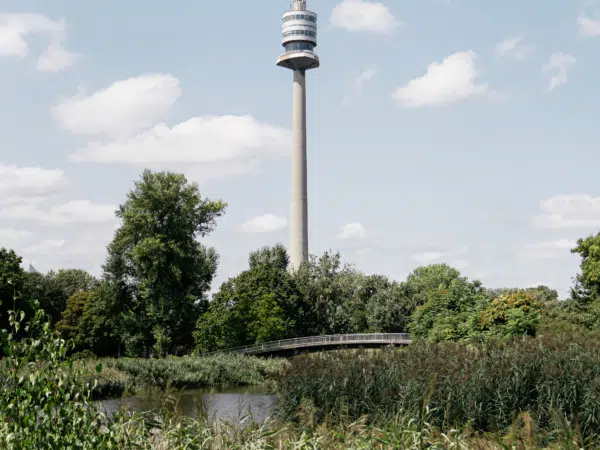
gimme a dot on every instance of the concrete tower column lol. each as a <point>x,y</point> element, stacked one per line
<point>299,206</point>
<point>299,38</point>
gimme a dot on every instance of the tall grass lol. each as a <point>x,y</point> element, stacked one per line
<point>486,387</point>
<point>120,376</point>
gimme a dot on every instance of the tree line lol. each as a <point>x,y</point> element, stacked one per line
<point>153,295</point>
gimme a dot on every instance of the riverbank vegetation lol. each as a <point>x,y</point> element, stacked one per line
<point>486,365</point>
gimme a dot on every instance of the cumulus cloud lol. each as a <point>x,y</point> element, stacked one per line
<point>11,236</point>
<point>125,122</point>
<point>199,140</point>
<point>589,27</point>
<point>548,250</point>
<point>362,15</point>
<point>569,211</point>
<point>513,47</point>
<point>268,223</point>
<point>352,231</point>
<point>19,183</point>
<point>558,66</point>
<point>73,212</point>
<point>451,80</point>
<point>122,108</point>
<point>17,29</point>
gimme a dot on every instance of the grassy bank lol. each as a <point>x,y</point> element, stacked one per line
<point>454,385</point>
<point>124,375</point>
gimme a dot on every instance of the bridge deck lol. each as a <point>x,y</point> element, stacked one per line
<point>350,340</point>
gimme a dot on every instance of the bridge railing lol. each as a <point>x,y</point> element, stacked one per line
<point>385,338</point>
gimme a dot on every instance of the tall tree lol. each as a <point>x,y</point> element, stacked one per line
<point>587,283</point>
<point>161,271</point>
<point>258,305</point>
<point>11,286</point>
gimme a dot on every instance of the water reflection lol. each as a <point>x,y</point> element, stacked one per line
<point>230,405</point>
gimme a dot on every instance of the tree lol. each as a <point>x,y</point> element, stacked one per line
<point>101,327</point>
<point>70,324</point>
<point>258,305</point>
<point>513,314</point>
<point>11,286</point>
<point>587,286</point>
<point>425,280</point>
<point>390,309</point>
<point>160,269</point>
<point>449,312</point>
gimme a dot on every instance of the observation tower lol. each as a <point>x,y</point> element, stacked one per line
<point>299,38</point>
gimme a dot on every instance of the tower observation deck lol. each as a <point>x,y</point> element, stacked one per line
<point>299,38</point>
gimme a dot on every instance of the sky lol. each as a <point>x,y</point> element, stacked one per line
<point>455,131</point>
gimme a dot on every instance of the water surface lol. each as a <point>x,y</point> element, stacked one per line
<point>230,404</point>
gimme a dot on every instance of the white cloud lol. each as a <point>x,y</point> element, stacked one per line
<point>361,15</point>
<point>268,223</point>
<point>352,231</point>
<point>55,59</point>
<point>569,211</point>
<point>453,79</point>
<point>199,140</point>
<point>121,109</point>
<point>47,247</point>
<point>548,250</point>
<point>513,47</point>
<point>358,84</point>
<point>18,183</point>
<point>558,65</point>
<point>15,29</point>
<point>588,27</point>
<point>73,212</point>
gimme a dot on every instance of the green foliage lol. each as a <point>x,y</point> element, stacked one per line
<point>49,408</point>
<point>485,386</point>
<point>11,286</point>
<point>70,324</point>
<point>588,282</point>
<point>389,309</point>
<point>160,269</point>
<point>258,305</point>
<point>514,314</point>
<point>51,291</point>
<point>193,372</point>
<point>449,314</point>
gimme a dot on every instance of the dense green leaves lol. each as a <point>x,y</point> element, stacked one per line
<point>161,270</point>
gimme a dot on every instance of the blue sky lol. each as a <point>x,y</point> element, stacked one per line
<point>439,130</point>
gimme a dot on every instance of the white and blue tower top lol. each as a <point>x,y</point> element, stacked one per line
<point>299,38</point>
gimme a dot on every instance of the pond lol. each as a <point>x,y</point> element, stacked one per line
<point>229,404</point>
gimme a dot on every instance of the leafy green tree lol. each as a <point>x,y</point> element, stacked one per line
<point>330,290</point>
<point>51,291</point>
<point>258,305</point>
<point>161,270</point>
<point>587,286</point>
<point>70,324</point>
<point>101,328</point>
<point>389,310</point>
<point>425,280</point>
<point>450,313</point>
<point>513,314</point>
<point>12,277</point>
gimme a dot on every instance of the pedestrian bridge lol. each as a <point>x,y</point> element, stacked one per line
<point>291,347</point>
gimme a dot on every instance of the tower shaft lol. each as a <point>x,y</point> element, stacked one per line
<point>299,206</point>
